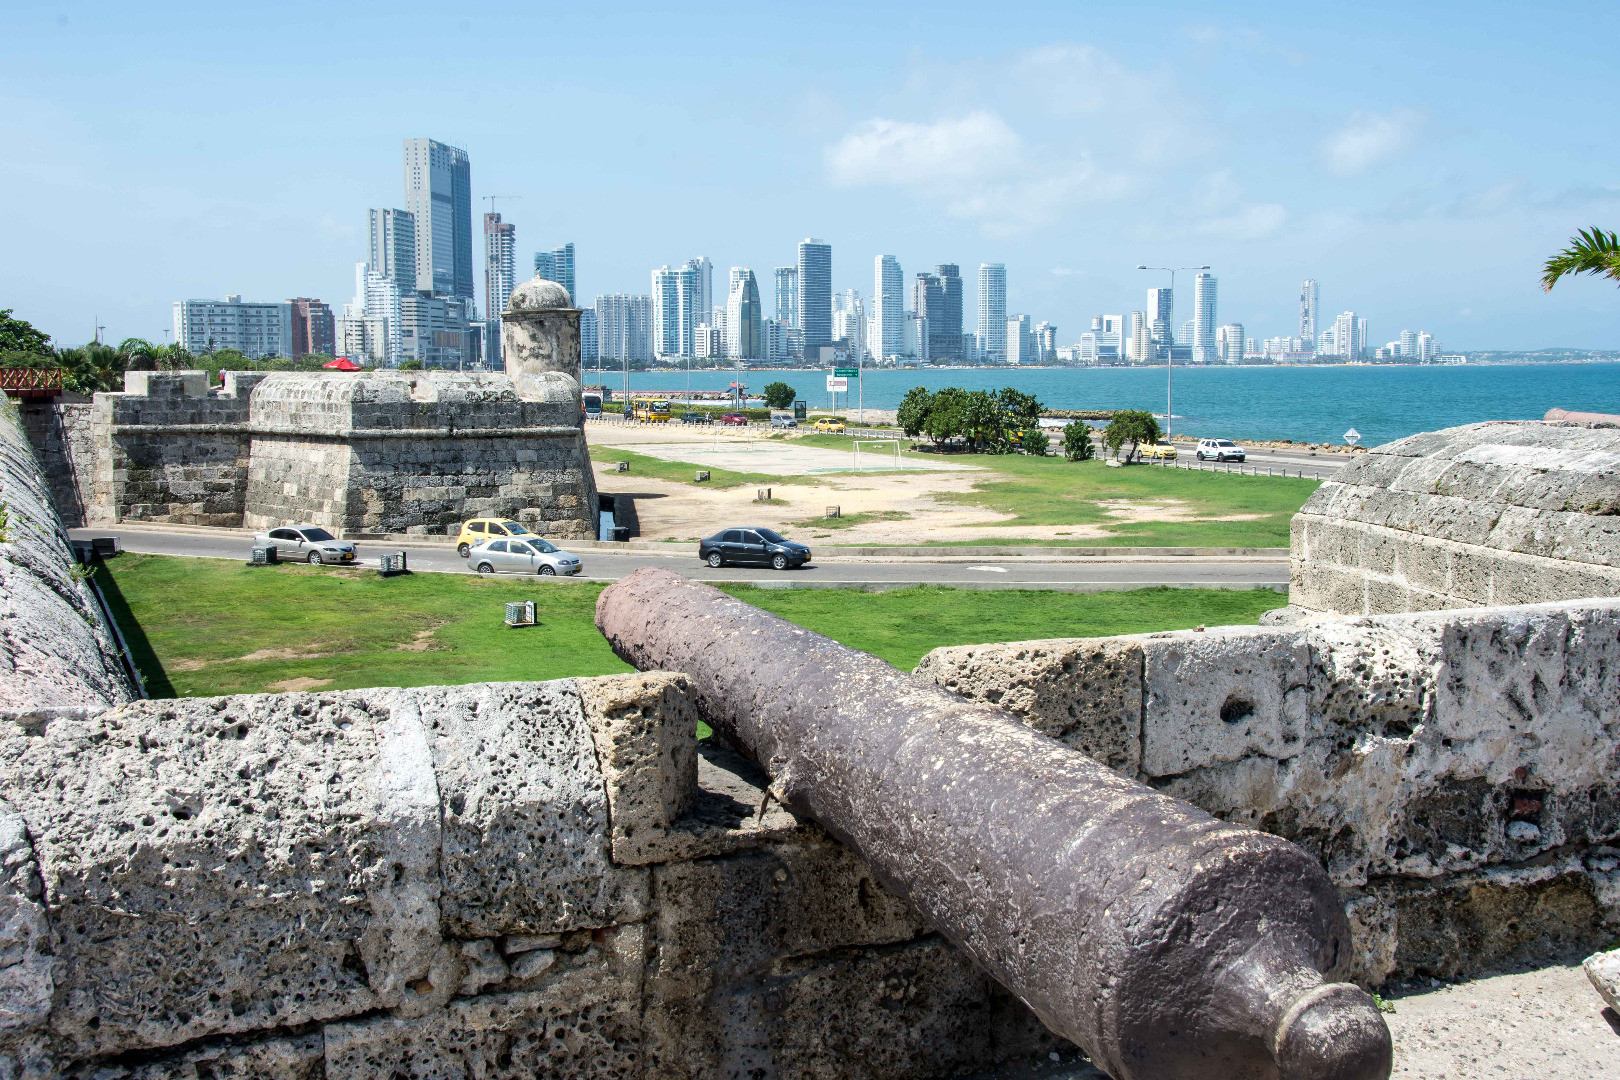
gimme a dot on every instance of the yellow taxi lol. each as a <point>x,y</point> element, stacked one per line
<point>1159,451</point>
<point>477,530</point>
<point>828,424</point>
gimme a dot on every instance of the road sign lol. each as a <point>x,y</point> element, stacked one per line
<point>837,384</point>
<point>847,372</point>
<point>1352,436</point>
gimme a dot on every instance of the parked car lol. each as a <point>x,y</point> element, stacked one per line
<point>829,424</point>
<point>783,420</point>
<point>752,547</point>
<point>477,530</point>
<point>310,543</point>
<point>1221,450</point>
<point>696,418</point>
<point>528,556</point>
<point>1159,451</point>
<point>734,418</point>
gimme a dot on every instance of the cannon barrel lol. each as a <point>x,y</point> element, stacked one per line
<point>1163,941</point>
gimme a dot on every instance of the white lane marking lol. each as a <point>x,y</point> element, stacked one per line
<point>990,569</point>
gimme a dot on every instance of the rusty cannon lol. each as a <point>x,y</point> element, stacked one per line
<point>1164,942</point>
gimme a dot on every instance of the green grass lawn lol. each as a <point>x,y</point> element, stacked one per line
<point>201,627</point>
<point>682,472</point>
<point>1054,491</point>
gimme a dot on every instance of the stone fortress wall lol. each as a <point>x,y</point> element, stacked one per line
<point>370,454</point>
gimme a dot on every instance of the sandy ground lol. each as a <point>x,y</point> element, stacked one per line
<point>1531,1026</point>
<point>911,502</point>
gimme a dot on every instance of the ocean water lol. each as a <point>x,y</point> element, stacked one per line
<point>1314,404</point>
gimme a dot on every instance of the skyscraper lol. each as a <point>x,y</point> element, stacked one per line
<point>993,311</point>
<point>1135,346</point>
<point>393,246</point>
<point>1347,329</point>
<point>1020,342</point>
<point>815,296</point>
<point>676,311</point>
<point>1203,338</point>
<point>744,316</point>
<point>787,296</point>
<point>312,328</point>
<point>438,194</point>
<point>928,301</point>
<point>562,266</point>
<point>703,276</point>
<point>888,307</point>
<point>589,344</point>
<point>624,327</point>
<point>1161,311</point>
<point>545,266</point>
<point>499,272</point>
<point>1229,343</point>
<point>1308,299</point>
<point>945,330</point>
<point>1045,335</point>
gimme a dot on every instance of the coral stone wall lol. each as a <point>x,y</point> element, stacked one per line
<point>505,880</point>
<point>1486,514</point>
<point>59,431</point>
<point>55,649</point>
<point>1457,773</point>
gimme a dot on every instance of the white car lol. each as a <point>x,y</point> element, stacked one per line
<point>530,555</point>
<point>1221,450</point>
<point>310,543</point>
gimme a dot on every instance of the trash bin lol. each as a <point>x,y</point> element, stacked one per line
<point>621,533</point>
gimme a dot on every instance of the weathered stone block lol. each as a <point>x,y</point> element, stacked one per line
<point>645,731</point>
<point>1086,693</point>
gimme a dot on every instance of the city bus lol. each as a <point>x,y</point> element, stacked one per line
<point>651,412</point>
<point>591,401</point>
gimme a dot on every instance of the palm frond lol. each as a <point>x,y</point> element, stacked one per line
<point>1591,251</point>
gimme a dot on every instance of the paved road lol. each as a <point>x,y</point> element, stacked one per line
<point>1088,575</point>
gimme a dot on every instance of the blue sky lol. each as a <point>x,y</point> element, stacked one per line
<point>1418,160</point>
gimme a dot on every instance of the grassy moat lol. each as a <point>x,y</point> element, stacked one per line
<point>201,627</point>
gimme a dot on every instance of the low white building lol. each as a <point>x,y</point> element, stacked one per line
<point>254,330</point>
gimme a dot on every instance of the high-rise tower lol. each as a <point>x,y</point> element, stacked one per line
<point>1161,311</point>
<point>562,268</point>
<point>1203,339</point>
<point>744,317</point>
<point>1308,300</point>
<point>815,296</point>
<point>993,311</point>
<point>393,247</point>
<point>889,307</point>
<point>945,329</point>
<point>438,194</point>
<point>499,272</point>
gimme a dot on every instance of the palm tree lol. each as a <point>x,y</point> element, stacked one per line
<point>1593,251</point>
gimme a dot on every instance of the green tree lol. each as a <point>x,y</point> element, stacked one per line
<point>1133,426</point>
<point>410,365</point>
<point>1591,251</point>
<point>947,415</point>
<point>20,336</point>
<point>1022,408</point>
<point>912,415</point>
<point>1077,445</point>
<point>779,395</point>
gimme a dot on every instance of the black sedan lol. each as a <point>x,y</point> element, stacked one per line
<point>752,547</point>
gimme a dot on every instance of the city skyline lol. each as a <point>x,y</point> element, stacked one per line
<point>1414,182</point>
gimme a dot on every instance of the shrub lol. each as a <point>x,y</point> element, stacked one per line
<point>1077,444</point>
<point>1133,426</point>
<point>779,395</point>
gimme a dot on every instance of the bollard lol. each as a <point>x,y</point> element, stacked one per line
<point>702,476</point>
<point>834,511</point>
<point>621,466</point>
<point>1166,943</point>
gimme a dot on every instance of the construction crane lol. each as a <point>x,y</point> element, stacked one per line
<point>492,199</point>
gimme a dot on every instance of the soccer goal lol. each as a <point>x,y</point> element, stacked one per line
<point>880,454</point>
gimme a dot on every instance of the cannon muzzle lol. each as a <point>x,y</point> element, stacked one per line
<point>1164,942</point>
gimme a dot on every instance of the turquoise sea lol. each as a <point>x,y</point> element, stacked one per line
<point>1314,404</point>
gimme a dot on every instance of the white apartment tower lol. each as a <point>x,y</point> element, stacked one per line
<point>254,330</point>
<point>1347,329</point>
<point>992,330</point>
<point>1203,335</point>
<point>1229,343</point>
<point>888,307</point>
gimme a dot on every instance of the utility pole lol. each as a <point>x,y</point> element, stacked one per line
<point>1170,356</point>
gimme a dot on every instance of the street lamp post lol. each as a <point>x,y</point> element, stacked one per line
<point>1170,355</point>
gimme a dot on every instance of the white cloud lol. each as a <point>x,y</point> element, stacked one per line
<point>1248,223</point>
<point>975,167</point>
<point>1371,139</point>
<point>901,154</point>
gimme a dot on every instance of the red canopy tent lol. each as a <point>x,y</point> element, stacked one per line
<point>343,363</point>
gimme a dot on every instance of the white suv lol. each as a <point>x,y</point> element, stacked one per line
<point>1220,450</point>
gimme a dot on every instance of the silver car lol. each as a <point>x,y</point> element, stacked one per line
<point>530,555</point>
<point>310,543</point>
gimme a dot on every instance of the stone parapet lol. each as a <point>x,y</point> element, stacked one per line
<point>1481,515</point>
<point>1446,768</point>
<point>501,880</point>
<point>56,650</point>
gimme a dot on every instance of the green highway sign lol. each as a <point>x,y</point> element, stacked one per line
<point>847,372</point>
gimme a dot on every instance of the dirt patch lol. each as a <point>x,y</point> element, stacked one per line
<point>260,654</point>
<point>422,641</point>
<point>1164,510</point>
<point>294,685</point>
